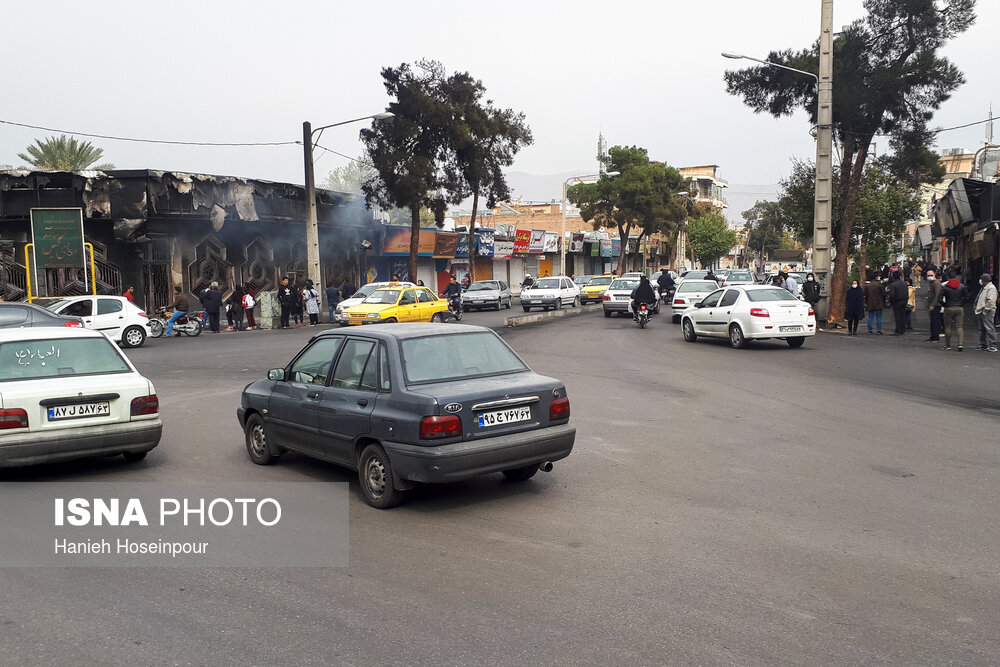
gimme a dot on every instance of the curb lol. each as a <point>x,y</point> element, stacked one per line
<point>534,318</point>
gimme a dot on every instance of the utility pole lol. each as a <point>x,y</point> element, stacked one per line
<point>823,211</point>
<point>312,225</point>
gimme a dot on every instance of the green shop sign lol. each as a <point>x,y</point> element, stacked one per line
<point>57,238</point>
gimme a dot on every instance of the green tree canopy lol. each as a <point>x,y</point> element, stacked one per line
<point>889,79</point>
<point>64,154</point>
<point>710,237</point>
<point>765,228</point>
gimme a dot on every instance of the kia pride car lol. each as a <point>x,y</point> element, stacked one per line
<point>618,296</point>
<point>746,313</point>
<point>688,292</point>
<point>398,304</point>
<point>481,294</point>
<point>115,316</point>
<point>71,393</point>
<point>363,292</point>
<point>552,292</point>
<point>593,291</point>
<point>16,315</point>
<point>407,404</point>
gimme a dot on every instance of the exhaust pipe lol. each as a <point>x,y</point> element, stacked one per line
<point>545,466</point>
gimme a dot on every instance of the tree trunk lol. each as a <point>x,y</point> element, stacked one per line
<point>863,253</point>
<point>851,172</point>
<point>414,240</point>
<point>472,237</point>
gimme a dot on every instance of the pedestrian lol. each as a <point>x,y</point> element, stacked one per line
<point>395,277</point>
<point>286,299</point>
<point>953,297</point>
<point>297,305</point>
<point>918,271</point>
<point>311,299</point>
<point>347,290</point>
<point>130,294</point>
<point>789,283</point>
<point>986,310</point>
<point>810,291</point>
<point>911,303</point>
<point>211,301</point>
<point>332,299</point>
<point>874,303</point>
<point>854,307</point>
<point>899,296</point>
<point>234,308</point>
<point>934,314</point>
<point>420,283</point>
<point>248,305</point>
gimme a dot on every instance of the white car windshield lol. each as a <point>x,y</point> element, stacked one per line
<point>547,283</point>
<point>772,294</point>
<point>484,286</point>
<point>364,291</point>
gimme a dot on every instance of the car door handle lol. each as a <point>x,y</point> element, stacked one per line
<point>362,402</point>
<point>312,394</point>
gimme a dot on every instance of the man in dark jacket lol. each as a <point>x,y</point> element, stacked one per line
<point>934,314</point>
<point>874,303</point>
<point>287,296</point>
<point>665,282</point>
<point>810,290</point>
<point>211,301</point>
<point>347,290</point>
<point>643,293</point>
<point>332,298</point>
<point>899,294</point>
<point>953,297</point>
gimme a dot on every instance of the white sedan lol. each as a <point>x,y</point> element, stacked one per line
<point>115,316</point>
<point>690,291</point>
<point>743,313</point>
<point>69,393</point>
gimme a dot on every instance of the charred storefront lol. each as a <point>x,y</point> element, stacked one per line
<point>967,226</point>
<point>155,229</point>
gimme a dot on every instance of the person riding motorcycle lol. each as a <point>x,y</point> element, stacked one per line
<point>180,307</point>
<point>665,282</point>
<point>643,293</point>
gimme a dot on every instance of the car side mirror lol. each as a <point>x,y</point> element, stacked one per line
<point>699,305</point>
<point>276,374</point>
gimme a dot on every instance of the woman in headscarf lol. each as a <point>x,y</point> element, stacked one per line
<point>311,298</point>
<point>855,307</point>
<point>234,308</point>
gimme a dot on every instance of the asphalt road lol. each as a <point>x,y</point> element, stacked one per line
<point>831,504</point>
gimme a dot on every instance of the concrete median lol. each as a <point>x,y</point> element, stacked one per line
<point>543,316</point>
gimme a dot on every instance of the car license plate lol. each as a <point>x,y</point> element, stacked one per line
<point>621,298</point>
<point>789,329</point>
<point>80,410</point>
<point>504,416</point>
<point>534,300</point>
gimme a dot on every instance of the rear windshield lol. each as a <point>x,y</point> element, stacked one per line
<point>365,291</point>
<point>738,276</point>
<point>485,286</point>
<point>621,283</point>
<point>601,280</point>
<point>774,294</point>
<point>59,357</point>
<point>697,286</point>
<point>437,358</point>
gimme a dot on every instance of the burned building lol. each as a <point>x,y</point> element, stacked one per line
<point>157,229</point>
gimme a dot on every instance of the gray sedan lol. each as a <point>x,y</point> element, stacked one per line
<point>481,294</point>
<point>409,403</point>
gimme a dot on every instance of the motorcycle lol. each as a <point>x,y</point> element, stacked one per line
<point>642,317</point>
<point>190,324</point>
<point>455,306</point>
<point>666,294</point>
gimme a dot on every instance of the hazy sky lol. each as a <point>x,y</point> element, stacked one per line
<point>644,73</point>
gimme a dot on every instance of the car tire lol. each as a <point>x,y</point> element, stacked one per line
<point>256,441</point>
<point>576,302</point>
<point>674,319</point>
<point>795,342</point>
<point>607,313</point>
<point>520,474</point>
<point>687,328</point>
<point>375,476</point>
<point>558,305</point>
<point>391,320</point>
<point>156,328</point>
<point>499,305</point>
<point>133,336</point>
<point>133,457</point>
<point>508,304</point>
<point>437,317</point>
<point>736,337</point>
<point>526,309</point>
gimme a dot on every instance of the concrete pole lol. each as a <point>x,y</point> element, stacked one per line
<point>562,236</point>
<point>312,225</point>
<point>823,211</point>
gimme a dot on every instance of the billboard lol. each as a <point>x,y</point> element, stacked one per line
<point>57,238</point>
<point>503,249</point>
<point>397,242</point>
<point>522,240</point>
<point>537,243</point>
<point>551,243</point>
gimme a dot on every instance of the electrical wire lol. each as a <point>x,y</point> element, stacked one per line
<point>154,141</point>
<point>937,131</point>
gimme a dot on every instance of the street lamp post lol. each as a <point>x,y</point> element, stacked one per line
<point>562,239</point>
<point>312,224</point>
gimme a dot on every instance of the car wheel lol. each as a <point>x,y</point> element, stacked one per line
<point>436,317</point>
<point>499,305</point>
<point>576,301</point>
<point>675,319</point>
<point>132,457</point>
<point>796,342</point>
<point>391,320</point>
<point>133,337</point>
<point>688,329</point>
<point>508,304</point>
<point>256,439</point>
<point>558,305</point>
<point>375,475</point>
<point>607,313</point>
<point>526,309</point>
<point>156,328</point>
<point>736,337</point>
<point>656,308</point>
<point>343,324</point>
<point>520,474</point>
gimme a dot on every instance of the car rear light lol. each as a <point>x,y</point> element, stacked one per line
<point>812,313</point>
<point>678,302</point>
<point>74,324</point>
<point>607,297</point>
<point>145,405</point>
<point>759,312</point>
<point>143,314</point>
<point>435,428</point>
<point>13,418</point>
<point>559,409</point>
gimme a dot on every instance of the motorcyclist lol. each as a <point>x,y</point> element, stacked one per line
<point>665,282</point>
<point>527,282</point>
<point>179,306</point>
<point>453,292</point>
<point>643,293</point>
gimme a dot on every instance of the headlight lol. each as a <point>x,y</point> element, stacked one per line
<point>373,316</point>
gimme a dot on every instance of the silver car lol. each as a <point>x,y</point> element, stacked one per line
<point>688,292</point>
<point>494,294</point>
<point>618,297</point>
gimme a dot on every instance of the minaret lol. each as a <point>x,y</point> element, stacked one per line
<point>602,152</point>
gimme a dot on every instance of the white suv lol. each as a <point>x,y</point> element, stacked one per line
<point>551,292</point>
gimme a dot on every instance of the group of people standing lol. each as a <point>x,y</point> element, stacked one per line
<point>293,299</point>
<point>239,304</point>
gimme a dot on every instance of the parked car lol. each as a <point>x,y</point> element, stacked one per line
<point>407,404</point>
<point>582,280</point>
<point>593,291</point>
<point>114,316</point>
<point>739,278</point>
<point>552,292</point>
<point>16,314</point>
<point>363,292</point>
<point>71,393</point>
<point>618,297</point>
<point>386,305</point>
<point>688,292</point>
<point>750,312</point>
<point>487,294</point>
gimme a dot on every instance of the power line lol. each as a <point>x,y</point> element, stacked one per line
<point>154,141</point>
<point>937,131</point>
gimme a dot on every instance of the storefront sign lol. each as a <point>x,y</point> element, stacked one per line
<point>503,249</point>
<point>576,242</point>
<point>551,243</point>
<point>462,247</point>
<point>397,242</point>
<point>484,243</point>
<point>57,237</point>
<point>537,241</point>
<point>522,240</point>
<point>445,244</point>
<point>616,247</point>
<point>605,247</point>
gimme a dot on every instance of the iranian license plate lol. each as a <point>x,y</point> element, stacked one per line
<point>534,300</point>
<point>80,410</point>
<point>504,416</point>
<point>789,329</point>
<point>621,298</point>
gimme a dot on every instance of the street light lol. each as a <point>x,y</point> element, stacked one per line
<point>574,179</point>
<point>740,56</point>
<point>312,224</point>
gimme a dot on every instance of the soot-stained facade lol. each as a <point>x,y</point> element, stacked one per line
<point>157,229</point>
